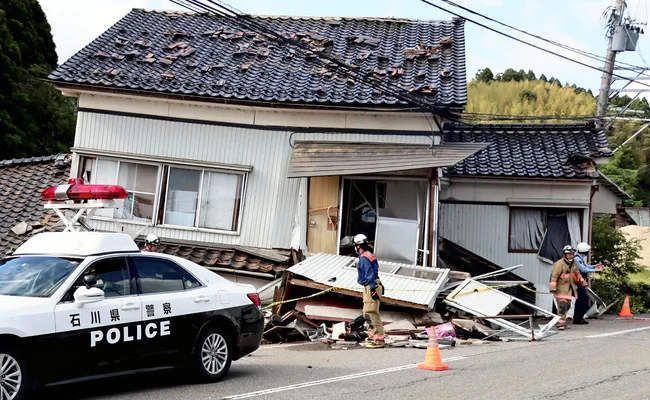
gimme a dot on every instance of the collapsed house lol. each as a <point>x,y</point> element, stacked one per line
<point>246,157</point>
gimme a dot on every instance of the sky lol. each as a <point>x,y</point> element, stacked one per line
<point>576,23</point>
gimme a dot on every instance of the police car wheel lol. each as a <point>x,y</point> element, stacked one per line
<point>14,380</point>
<point>214,354</point>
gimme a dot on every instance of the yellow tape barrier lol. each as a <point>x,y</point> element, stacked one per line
<point>334,288</point>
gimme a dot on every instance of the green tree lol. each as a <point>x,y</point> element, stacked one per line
<point>543,78</point>
<point>619,254</point>
<point>530,75</point>
<point>484,75</point>
<point>35,118</point>
<point>613,249</point>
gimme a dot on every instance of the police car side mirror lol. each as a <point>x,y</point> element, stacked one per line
<point>85,295</point>
<point>90,281</point>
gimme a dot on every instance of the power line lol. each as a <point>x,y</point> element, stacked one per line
<point>566,47</point>
<point>328,62</point>
<point>466,116</point>
<point>238,17</point>
<point>197,6</point>
<point>530,44</point>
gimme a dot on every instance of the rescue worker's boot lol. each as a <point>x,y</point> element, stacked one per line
<point>376,344</point>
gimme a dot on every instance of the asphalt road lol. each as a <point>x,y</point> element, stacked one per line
<point>604,360</point>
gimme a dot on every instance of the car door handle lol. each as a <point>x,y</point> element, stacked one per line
<point>130,307</point>
<point>202,299</point>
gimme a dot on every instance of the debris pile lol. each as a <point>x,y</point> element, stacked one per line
<point>319,299</point>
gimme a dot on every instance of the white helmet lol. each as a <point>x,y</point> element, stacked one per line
<point>152,239</point>
<point>568,249</point>
<point>583,247</point>
<point>360,239</point>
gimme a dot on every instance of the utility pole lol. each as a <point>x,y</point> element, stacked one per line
<point>606,82</point>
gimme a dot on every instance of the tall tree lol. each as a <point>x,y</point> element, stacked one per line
<point>35,118</point>
<point>484,75</point>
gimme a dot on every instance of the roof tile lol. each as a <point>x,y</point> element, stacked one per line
<point>191,52</point>
<point>21,184</point>
<point>527,150</point>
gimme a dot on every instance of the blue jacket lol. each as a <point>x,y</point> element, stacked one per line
<point>368,270</point>
<point>582,265</point>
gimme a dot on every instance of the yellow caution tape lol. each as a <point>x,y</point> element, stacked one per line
<point>334,288</point>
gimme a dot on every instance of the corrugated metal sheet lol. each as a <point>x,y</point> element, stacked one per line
<point>271,198</point>
<point>311,158</point>
<point>483,230</point>
<point>323,267</point>
<point>640,215</point>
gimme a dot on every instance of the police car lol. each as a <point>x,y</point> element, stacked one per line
<point>77,306</point>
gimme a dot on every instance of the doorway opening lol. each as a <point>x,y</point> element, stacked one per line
<point>391,213</point>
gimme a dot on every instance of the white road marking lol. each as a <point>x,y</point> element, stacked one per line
<point>282,345</point>
<point>617,333</point>
<point>330,380</point>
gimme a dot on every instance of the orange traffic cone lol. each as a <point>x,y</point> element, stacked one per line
<point>625,310</point>
<point>432,360</point>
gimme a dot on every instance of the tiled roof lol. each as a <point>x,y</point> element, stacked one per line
<point>528,150</point>
<point>21,207</point>
<point>205,55</point>
<point>237,258</point>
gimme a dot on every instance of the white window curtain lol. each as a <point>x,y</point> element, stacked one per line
<point>219,200</point>
<point>573,222</point>
<point>106,173</point>
<point>182,195</point>
<point>526,229</point>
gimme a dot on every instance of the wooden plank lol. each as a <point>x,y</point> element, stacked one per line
<point>320,286</point>
<point>322,234</point>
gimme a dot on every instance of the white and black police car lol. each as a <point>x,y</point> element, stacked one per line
<point>78,306</point>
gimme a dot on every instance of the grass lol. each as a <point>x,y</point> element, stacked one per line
<point>643,276</point>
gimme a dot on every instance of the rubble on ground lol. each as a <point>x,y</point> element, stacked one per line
<point>319,300</point>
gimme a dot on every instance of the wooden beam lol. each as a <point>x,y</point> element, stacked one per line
<point>385,300</point>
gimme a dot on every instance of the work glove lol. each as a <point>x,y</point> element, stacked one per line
<point>374,294</point>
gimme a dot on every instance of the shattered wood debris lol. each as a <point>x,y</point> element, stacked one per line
<point>319,300</point>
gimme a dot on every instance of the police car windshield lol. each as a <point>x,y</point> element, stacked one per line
<point>34,276</point>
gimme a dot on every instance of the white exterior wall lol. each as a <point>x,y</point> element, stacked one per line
<point>484,228</point>
<point>503,190</point>
<point>605,201</point>
<point>271,199</point>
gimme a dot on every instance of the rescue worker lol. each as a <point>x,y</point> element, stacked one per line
<point>151,243</point>
<point>565,277</point>
<point>368,277</point>
<point>582,303</point>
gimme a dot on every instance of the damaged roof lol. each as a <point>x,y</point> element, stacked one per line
<point>22,214</point>
<point>197,54</point>
<point>236,258</point>
<point>529,150</point>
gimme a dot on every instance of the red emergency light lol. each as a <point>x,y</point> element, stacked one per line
<point>76,189</point>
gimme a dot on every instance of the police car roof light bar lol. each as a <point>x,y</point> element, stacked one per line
<point>70,202</point>
<point>76,189</point>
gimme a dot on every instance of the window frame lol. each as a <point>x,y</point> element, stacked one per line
<point>547,210</point>
<point>162,188</point>
<point>156,194</point>
<point>197,216</point>
<point>132,260</point>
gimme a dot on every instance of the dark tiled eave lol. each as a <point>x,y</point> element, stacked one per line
<point>234,258</point>
<point>233,64</point>
<point>527,150</point>
<point>21,183</point>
